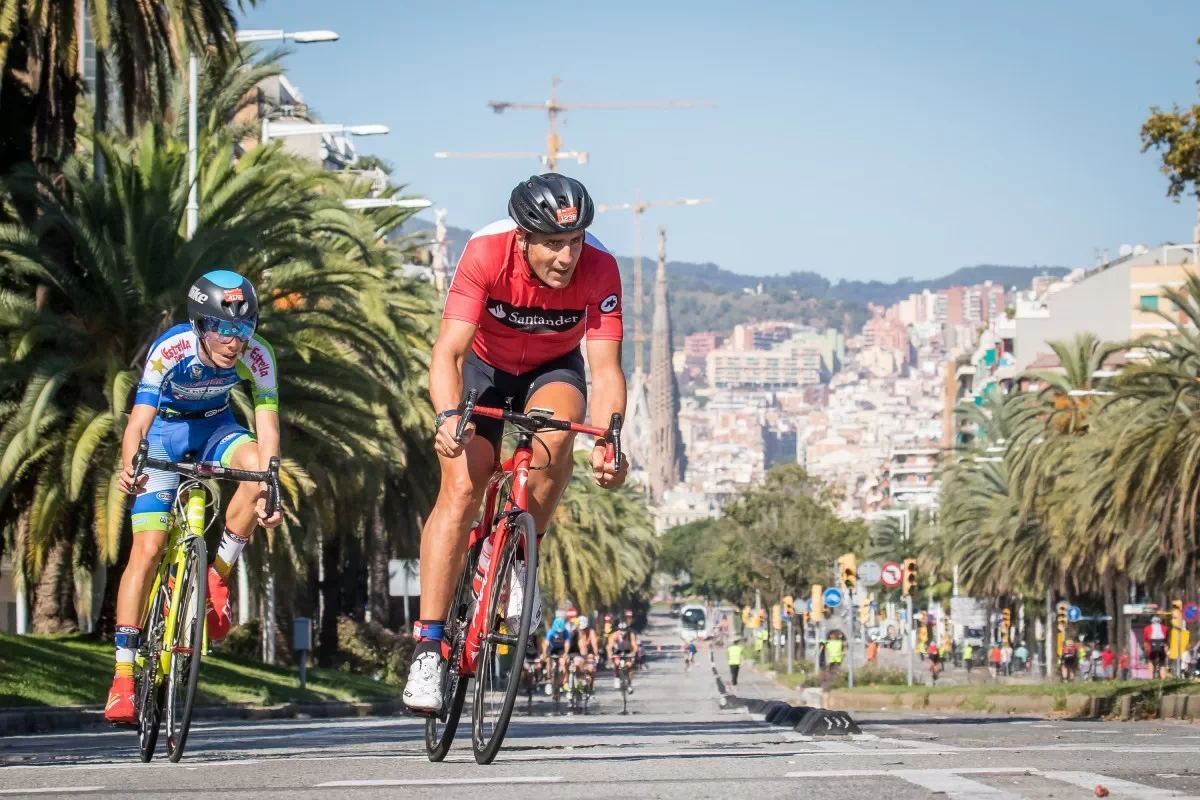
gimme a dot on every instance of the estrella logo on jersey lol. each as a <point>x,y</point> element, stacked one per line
<point>258,364</point>
<point>176,351</point>
<point>567,215</point>
<point>534,320</point>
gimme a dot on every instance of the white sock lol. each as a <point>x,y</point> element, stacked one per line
<point>228,552</point>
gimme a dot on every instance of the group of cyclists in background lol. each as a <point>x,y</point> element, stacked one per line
<point>565,660</point>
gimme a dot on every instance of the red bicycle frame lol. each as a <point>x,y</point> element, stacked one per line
<point>495,525</point>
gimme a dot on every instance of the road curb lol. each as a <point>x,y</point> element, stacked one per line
<point>805,720</point>
<point>26,721</point>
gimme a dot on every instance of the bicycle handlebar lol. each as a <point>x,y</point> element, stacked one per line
<point>269,476</point>
<point>532,424</point>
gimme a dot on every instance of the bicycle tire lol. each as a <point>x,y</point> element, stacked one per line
<point>485,745</point>
<point>148,692</point>
<point>624,690</point>
<point>440,729</point>
<point>193,585</point>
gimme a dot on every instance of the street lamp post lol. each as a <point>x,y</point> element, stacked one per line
<point>911,632</point>
<point>300,37</point>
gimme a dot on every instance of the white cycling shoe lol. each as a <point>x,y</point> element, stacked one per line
<point>423,690</point>
<point>516,600</point>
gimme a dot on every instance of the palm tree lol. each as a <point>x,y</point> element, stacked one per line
<point>39,56</point>
<point>601,546</point>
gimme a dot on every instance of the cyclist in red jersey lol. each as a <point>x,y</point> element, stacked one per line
<point>526,293</point>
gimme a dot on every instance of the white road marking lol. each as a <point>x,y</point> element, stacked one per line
<point>954,785</point>
<point>920,744</point>
<point>443,781</point>
<point>874,773</point>
<point>53,790</point>
<point>1121,788</point>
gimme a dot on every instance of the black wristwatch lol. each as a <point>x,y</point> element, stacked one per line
<point>442,416</point>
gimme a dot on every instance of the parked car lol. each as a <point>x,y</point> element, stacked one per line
<point>693,622</point>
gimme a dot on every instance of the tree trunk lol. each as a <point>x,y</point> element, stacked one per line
<point>53,610</point>
<point>329,587</point>
<point>1110,604</point>
<point>377,571</point>
<point>1121,596</point>
<point>100,120</point>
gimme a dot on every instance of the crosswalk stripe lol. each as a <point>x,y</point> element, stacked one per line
<point>1122,788</point>
<point>954,786</point>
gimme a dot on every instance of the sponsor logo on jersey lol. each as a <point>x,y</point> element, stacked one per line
<point>535,320</point>
<point>258,363</point>
<point>234,295</point>
<point>164,496</point>
<point>197,295</point>
<point>567,215</point>
<point>197,371</point>
<point>176,351</point>
<point>609,304</point>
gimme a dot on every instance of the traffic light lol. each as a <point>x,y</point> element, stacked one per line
<point>776,617</point>
<point>1061,617</point>
<point>1007,615</point>
<point>1177,614</point>
<point>789,605</point>
<point>818,603</point>
<point>762,617</point>
<point>746,615</point>
<point>910,576</point>
<point>847,570</point>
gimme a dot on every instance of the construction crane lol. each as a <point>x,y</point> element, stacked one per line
<point>638,207</point>
<point>553,108</point>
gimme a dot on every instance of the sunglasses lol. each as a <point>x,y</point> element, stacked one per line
<point>226,330</point>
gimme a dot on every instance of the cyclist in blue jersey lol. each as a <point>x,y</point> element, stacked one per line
<point>555,646</point>
<point>182,407</point>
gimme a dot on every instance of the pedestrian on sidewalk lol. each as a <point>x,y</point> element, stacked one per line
<point>1123,666</point>
<point>1106,662</point>
<point>994,658</point>
<point>968,653</point>
<point>1006,654</point>
<point>733,656</point>
<point>872,652</point>
<point>1021,657</point>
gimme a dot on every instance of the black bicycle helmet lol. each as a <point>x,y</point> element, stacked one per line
<point>222,296</point>
<point>551,203</point>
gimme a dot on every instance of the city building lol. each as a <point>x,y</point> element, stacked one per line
<point>785,367</point>
<point>1117,301</point>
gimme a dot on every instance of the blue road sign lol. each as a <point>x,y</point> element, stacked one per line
<point>1191,612</point>
<point>1074,614</point>
<point>832,597</point>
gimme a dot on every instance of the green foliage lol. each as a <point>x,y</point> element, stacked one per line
<point>778,537</point>
<point>369,649</point>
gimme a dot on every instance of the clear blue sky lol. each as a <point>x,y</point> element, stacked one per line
<point>863,140</point>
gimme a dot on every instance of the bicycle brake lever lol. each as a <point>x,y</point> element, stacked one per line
<point>464,414</point>
<point>273,486</point>
<point>612,450</point>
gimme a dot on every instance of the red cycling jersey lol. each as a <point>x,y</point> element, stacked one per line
<point>522,323</point>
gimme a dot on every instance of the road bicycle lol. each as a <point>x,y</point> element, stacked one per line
<point>167,664</point>
<point>474,624</point>
<point>623,664</point>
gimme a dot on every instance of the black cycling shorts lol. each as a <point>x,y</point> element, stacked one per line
<point>500,389</point>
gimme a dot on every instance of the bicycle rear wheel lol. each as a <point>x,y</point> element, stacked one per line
<point>494,694</point>
<point>440,728</point>
<point>187,648</point>
<point>148,694</point>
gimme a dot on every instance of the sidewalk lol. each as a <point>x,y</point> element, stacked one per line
<point>757,681</point>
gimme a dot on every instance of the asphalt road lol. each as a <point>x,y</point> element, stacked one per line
<point>675,743</point>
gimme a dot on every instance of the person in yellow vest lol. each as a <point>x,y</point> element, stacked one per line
<point>833,651</point>
<point>733,656</point>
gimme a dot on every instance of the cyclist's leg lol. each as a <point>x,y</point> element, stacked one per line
<point>151,517</point>
<point>558,386</point>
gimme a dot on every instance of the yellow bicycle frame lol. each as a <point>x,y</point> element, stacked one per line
<point>175,559</point>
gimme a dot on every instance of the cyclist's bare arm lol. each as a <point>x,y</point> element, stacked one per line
<point>140,420</point>
<point>445,380</point>
<point>266,431</point>
<point>608,397</point>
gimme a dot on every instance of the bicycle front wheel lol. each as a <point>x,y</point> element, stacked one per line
<point>188,644</point>
<point>495,694</point>
<point>148,694</point>
<point>440,729</point>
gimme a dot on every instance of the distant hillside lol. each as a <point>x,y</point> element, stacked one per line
<point>705,297</point>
